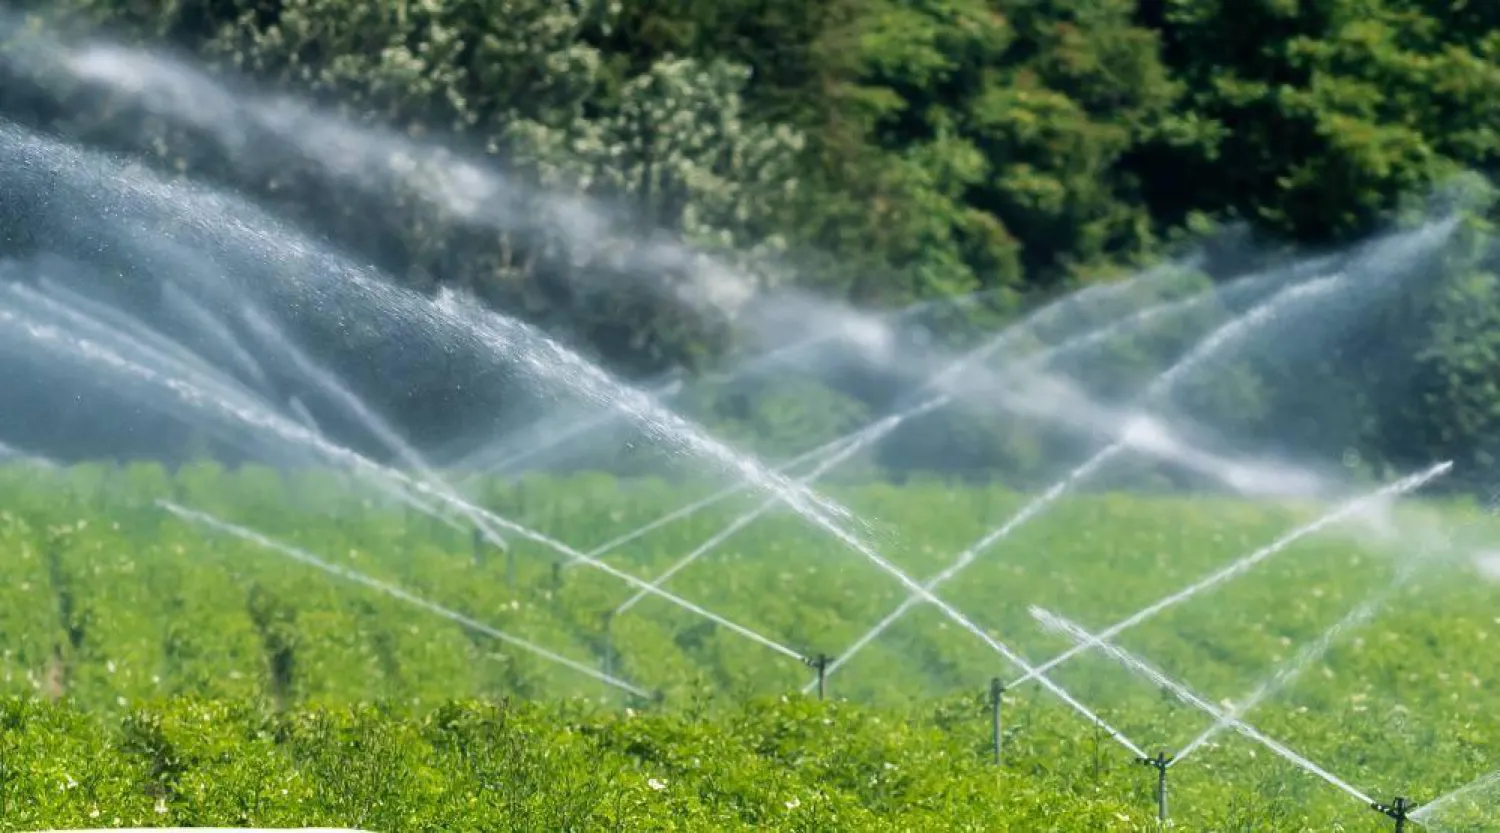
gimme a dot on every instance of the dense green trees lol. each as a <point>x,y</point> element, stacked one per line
<point>886,151</point>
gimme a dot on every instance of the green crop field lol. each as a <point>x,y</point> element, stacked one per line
<point>202,678</point>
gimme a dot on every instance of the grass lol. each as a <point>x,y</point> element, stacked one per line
<point>192,672</point>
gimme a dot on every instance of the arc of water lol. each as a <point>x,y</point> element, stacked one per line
<point>10,452</point>
<point>305,416</point>
<point>160,349</point>
<point>116,319</point>
<point>790,497</point>
<point>1246,284</point>
<point>216,331</point>
<point>183,362</point>
<point>187,367</point>
<point>293,433</point>
<point>1426,812</point>
<point>228,221</point>
<point>536,353</point>
<point>865,439</point>
<point>596,421</point>
<point>703,503</point>
<point>1183,693</point>
<point>1163,384</point>
<point>1303,660</point>
<point>1074,344</point>
<point>506,463</point>
<point>304,557</point>
<point>210,379</point>
<point>368,157</point>
<point>993,345</point>
<point>813,507</point>
<point>779,356</point>
<point>330,385</point>
<point>963,560</point>
<point>997,342</point>
<point>1246,563</point>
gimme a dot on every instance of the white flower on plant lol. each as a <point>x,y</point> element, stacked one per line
<point>656,784</point>
<point>793,804</point>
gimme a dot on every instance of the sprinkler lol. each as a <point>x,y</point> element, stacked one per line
<point>1160,763</point>
<point>609,643</point>
<point>997,693</point>
<point>820,664</point>
<point>1399,810</point>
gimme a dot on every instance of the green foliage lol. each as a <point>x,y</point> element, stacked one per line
<point>476,766</point>
<point>176,709</point>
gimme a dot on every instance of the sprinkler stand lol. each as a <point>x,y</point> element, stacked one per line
<point>997,694</point>
<point>820,664</point>
<point>1399,810</point>
<point>609,643</point>
<point>476,538</point>
<point>1160,764</point>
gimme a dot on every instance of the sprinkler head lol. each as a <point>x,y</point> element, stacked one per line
<point>1400,809</point>
<point>1161,761</point>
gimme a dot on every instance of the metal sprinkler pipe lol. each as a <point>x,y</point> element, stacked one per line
<point>819,663</point>
<point>609,642</point>
<point>997,695</point>
<point>1160,763</point>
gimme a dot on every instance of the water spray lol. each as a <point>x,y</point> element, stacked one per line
<point>1206,348</point>
<point>866,438</point>
<point>1426,812</point>
<point>391,590</point>
<point>220,218</point>
<point>699,505</point>
<point>9,453</point>
<point>1303,660</point>
<point>1181,692</point>
<point>290,432</point>
<point>1244,564</point>
<point>999,341</point>
<point>506,464</point>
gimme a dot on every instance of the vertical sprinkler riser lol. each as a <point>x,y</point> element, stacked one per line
<point>1160,763</point>
<point>819,663</point>
<point>609,643</point>
<point>997,695</point>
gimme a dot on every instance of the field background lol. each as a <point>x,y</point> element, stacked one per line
<point>194,672</point>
